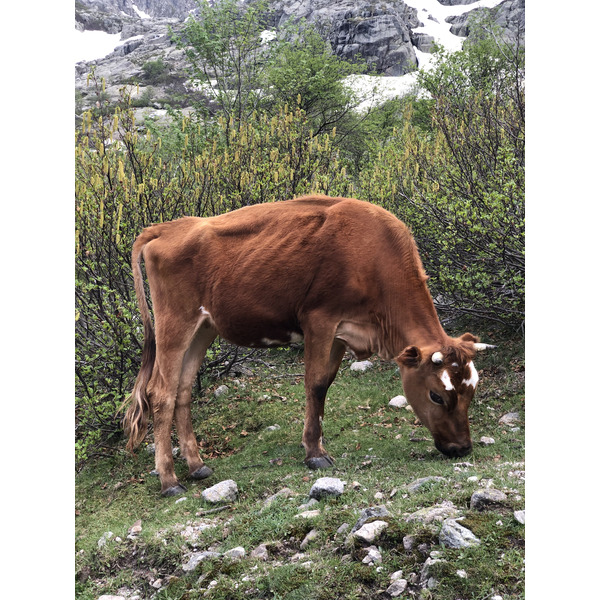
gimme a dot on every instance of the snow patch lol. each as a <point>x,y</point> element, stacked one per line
<point>432,14</point>
<point>93,45</point>
<point>141,14</point>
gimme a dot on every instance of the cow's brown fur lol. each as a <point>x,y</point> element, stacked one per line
<point>342,273</point>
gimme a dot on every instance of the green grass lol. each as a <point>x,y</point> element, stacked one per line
<point>372,444</point>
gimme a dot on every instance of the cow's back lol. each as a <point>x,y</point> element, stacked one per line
<point>259,269</point>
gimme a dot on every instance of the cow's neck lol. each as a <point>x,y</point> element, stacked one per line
<point>416,323</point>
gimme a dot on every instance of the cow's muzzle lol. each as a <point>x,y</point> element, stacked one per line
<point>454,450</point>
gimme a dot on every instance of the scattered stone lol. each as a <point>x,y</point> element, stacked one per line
<point>308,514</point>
<point>192,532</point>
<point>369,532</point>
<point>409,541</point>
<point>416,485</point>
<point>313,534</point>
<point>261,552</point>
<point>282,493</point>
<point>398,402</point>
<point>221,391</point>
<point>454,535</point>
<point>342,528</point>
<point>369,513</point>
<point>307,505</point>
<point>327,486</point>
<point>426,579</point>
<point>396,575</point>
<point>157,584</point>
<point>235,553</point>
<point>511,418</point>
<point>373,556</point>
<point>431,514</point>
<point>224,491</point>
<point>111,597</point>
<point>105,537</point>
<point>488,498</point>
<point>520,516</point>
<point>179,500</point>
<point>462,573</point>
<point>198,557</point>
<point>272,427</point>
<point>378,495</point>
<point>361,366</point>
<point>487,441</point>
<point>397,587</point>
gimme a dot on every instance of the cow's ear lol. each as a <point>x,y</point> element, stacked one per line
<point>469,337</point>
<point>410,356</point>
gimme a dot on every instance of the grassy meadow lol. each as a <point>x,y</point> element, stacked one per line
<point>378,450</point>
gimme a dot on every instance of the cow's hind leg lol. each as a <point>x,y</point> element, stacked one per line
<point>163,392</point>
<point>183,418</point>
<point>322,358</point>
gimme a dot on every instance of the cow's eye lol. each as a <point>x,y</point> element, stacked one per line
<point>435,398</point>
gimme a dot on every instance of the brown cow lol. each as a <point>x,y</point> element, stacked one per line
<point>339,273</point>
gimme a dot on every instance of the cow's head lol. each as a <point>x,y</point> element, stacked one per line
<point>439,384</point>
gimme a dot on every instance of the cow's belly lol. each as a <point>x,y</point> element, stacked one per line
<point>360,338</point>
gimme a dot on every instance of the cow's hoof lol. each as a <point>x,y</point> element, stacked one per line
<point>319,462</point>
<point>202,473</point>
<point>174,490</point>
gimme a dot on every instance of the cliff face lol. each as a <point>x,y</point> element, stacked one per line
<point>393,36</point>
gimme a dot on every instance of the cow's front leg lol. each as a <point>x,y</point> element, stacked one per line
<point>322,360</point>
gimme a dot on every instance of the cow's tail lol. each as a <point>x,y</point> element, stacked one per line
<point>135,422</point>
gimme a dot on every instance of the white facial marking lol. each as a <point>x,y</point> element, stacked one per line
<point>204,311</point>
<point>472,381</point>
<point>446,380</point>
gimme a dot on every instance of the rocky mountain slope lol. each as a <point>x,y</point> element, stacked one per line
<point>394,37</point>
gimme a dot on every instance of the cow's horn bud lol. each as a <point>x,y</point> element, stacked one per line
<point>479,346</point>
<point>437,358</point>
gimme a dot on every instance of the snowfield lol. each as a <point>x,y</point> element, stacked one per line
<point>93,45</point>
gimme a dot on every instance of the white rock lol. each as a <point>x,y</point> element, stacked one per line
<point>361,366</point>
<point>327,486</point>
<point>422,482</point>
<point>261,552</point>
<point>462,573</point>
<point>520,516</point>
<point>454,535</point>
<point>398,402</point>
<point>487,441</point>
<point>196,558</point>
<point>369,532</point>
<point>224,491</point>
<point>308,514</point>
<point>396,575</point>
<point>111,597</point>
<point>272,427</point>
<point>105,537</point>
<point>313,534</point>
<point>397,587</point>
<point>373,556</point>
<point>510,419</point>
<point>439,512</point>
<point>490,497</point>
<point>235,553</point>
<point>222,390</point>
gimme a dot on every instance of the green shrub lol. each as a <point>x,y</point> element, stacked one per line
<point>459,184</point>
<point>125,181</point>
